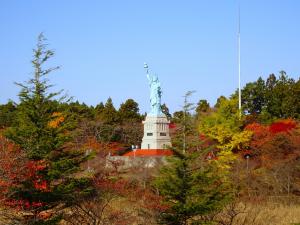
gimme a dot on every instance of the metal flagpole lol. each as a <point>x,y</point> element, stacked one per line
<point>239,64</point>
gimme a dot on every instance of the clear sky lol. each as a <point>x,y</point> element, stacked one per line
<point>191,45</point>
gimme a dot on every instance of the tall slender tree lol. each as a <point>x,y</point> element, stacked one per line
<point>41,131</point>
<point>190,185</point>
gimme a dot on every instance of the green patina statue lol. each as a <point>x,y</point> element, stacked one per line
<point>155,93</point>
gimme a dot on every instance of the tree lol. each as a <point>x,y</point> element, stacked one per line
<point>99,108</point>
<point>254,97</point>
<point>41,131</point>
<point>271,99</point>
<point>129,111</point>
<point>109,114</point>
<point>189,184</point>
<point>7,114</point>
<point>275,149</point>
<point>191,189</point>
<point>225,127</point>
<point>177,116</point>
<point>202,106</point>
<point>219,100</point>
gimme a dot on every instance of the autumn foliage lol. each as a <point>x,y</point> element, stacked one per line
<point>274,143</point>
<point>16,170</point>
<point>282,126</point>
<point>57,119</point>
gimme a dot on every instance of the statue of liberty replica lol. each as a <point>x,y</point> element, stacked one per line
<point>155,93</point>
<point>156,124</point>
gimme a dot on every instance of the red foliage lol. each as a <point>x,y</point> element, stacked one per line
<point>172,126</point>
<point>119,187</point>
<point>146,197</point>
<point>276,143</point>
<point>206,141</point>
<point>151,200</point>
<point>282,126</point>
<point>92,143</point>
<point>15,169</point>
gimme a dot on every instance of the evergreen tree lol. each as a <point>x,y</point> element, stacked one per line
<point>129,111</point>
<point>192,189</point>
<point>190,185</point>
<point>109,114</point>
<point>80,111</point>
<point>41,131</point>
<point>7,114</point>
<point>99,108</point>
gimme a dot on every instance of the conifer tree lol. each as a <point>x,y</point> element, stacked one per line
<point>7,114</point>
<point>129,111</point>
<point>189,183</point>
<point>41,131</point>
<point>109,113</point>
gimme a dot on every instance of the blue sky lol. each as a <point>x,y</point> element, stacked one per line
<point>191,45</point>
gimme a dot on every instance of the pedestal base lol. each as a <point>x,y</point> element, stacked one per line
<point>156,133</point>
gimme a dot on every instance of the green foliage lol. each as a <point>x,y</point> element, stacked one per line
<point>272,99</point>
<point>41,130</point>
<point>253,97</point>
<point>282,98</point>
<point>202,106</point>
<point>31,130</point>
<point>108,133</point>
<point>129,111</point>
<point>109,114</point>
<point>80,111</point>
<point>177,116</point>
<point>7,114</point>
<point>99,108</point>
<point>192,186</point>
<point>219,100</point>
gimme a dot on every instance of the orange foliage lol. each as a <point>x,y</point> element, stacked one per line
<point>57,119</point>
<point>92,143</point>
<point>282,126</point>
<point>16,169</point>
<point>275,143</point>
<point>257,129</point>
<point>147,198</point>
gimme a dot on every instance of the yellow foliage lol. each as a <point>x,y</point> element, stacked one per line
<point>237,141</point>
<point>57,119</point>
<point>224,126</point>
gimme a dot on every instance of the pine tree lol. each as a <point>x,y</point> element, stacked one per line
<point>129,111</point>
<point>189,184</point>
<point>109,113</point>
<point>41,131</point>
<point>7,114</point>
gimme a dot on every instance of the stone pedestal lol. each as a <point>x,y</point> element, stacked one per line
<point>156,133</point>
